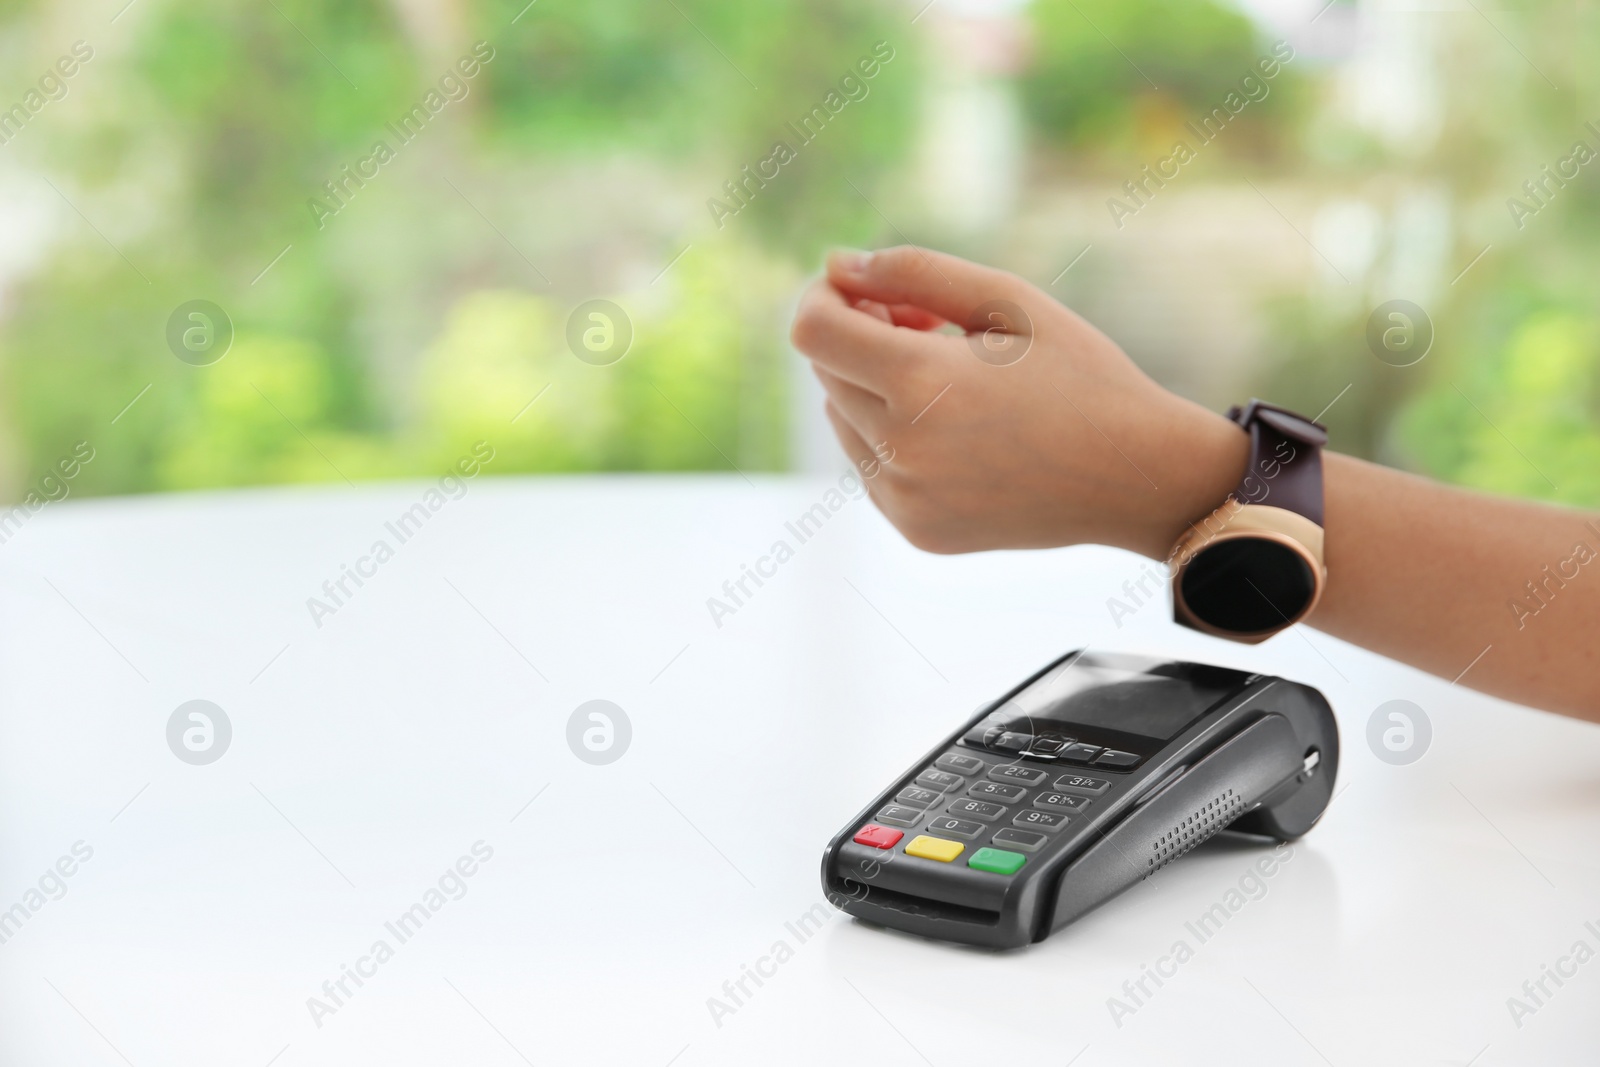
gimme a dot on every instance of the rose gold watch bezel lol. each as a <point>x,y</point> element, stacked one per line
<point>1234,521</point>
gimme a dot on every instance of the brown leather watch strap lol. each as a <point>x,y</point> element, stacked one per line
<point>1285,469</point>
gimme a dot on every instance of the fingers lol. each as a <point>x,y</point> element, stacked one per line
<point>912,318</point>
<point>861,346</point>
<point>875,309</point>
<point>915,318</point>
<point>938,284</point>
<point>865,412</point>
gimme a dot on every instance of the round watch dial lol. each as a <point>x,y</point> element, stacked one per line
<point>1248,585</point>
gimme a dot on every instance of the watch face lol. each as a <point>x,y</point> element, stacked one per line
<point>1248,585</point>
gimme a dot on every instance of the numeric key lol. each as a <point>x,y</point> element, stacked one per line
<point>1060,802</point>
<point>944,824</point>
<point>1005,794</point>
<point>1034,819</point>
<point>1081,784</point>
<point>977,809</point>
<point>918,797</point>
<point>1015,775</point>
<point>943,781</point>
<point>956,763</point>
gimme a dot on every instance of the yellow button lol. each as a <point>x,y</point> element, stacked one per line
<point>934,848</point>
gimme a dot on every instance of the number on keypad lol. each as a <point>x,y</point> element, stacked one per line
<point>943,781</point>
<point>1083,784</point>
<point>1006,794</point>
<point>1008,772</point>
<point>918,797</point>
<point>1034,819</point>
<point>956,763</point>
<point>977,809</point>
<point>1060,802</point>
<point>955,827</point>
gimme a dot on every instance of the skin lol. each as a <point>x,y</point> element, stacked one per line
<point>1072,443</point>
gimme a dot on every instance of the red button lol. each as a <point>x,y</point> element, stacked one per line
<point>877,836</point>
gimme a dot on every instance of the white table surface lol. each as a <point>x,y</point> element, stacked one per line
<point>375,751</point>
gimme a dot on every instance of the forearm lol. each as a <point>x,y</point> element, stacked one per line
<point>1073,445</point>
<point>1436,577</point>
<point>1502,594</point>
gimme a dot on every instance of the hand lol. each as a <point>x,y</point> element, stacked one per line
<point>1028,429</point>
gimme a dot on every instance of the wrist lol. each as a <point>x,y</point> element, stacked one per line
<point>1201,457</point>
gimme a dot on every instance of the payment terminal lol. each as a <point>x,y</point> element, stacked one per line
<point>1087,778</point>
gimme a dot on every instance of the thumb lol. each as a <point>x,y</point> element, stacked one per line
<point>952,288</point>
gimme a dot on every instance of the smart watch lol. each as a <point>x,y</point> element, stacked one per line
<point>1255,565</point>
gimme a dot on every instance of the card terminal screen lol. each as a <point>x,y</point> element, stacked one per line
<point>1096,693</point>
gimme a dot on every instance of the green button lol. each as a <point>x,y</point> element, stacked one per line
<point>997,861</point>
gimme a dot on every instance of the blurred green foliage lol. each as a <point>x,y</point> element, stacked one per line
<point>1519,411</point>
<point>676,401</point>
<point>577,163</point>
<point>1513,405</point>
<point>1508,397</point>
<point>414,321</point>
<point>1107,71</point>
